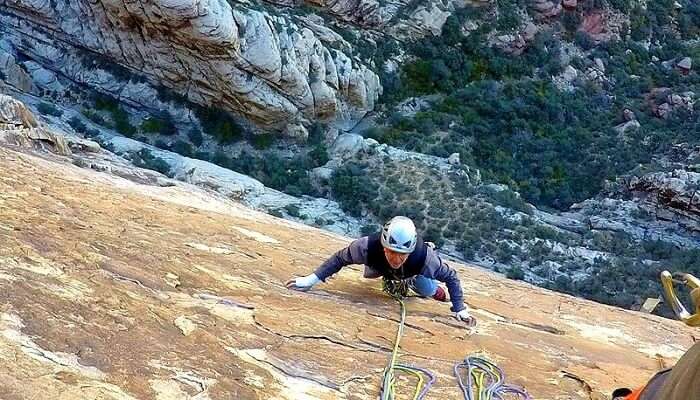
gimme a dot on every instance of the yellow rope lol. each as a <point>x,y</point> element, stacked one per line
<point>389,380</point>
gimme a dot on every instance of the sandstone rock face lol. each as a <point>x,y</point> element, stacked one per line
<point>602,26</point>
<point>401,18</point>
<point>14,74</point>
<point>675,194</point>
<point>425,19</point>
<point>120,291</point>
<point>18,126</point>
<point>262,66</point>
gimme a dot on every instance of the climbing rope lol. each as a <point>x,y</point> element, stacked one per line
<point>398,290</point>
<point>486,381</point>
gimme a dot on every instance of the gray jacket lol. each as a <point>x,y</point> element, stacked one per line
<point>434,268</point>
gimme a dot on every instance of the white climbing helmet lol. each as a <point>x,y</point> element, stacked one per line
<point>399,235</point>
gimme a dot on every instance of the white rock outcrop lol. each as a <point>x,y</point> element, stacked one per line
<point>262,66</point>
<point>19,127</point>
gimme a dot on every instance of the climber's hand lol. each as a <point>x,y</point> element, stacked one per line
<point>302,283</point>
<point>465,317</point>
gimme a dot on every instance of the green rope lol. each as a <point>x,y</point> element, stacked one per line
<point>398,290</point>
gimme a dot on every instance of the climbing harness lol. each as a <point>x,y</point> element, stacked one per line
<point>399,290</point>
<point>486,381</point>
<point>693,283</point>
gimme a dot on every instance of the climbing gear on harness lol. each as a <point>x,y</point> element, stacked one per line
<point>399,235</point>
<point>398,290</point>
<point>693,283</point>
<point>485,381</point>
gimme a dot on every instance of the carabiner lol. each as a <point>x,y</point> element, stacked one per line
<point>693,283</point>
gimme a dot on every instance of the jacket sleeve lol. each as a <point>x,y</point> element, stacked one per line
<point>355,253</point>
<point>435,268</point>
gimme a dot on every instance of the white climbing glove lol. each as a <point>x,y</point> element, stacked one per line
<point>464,316</point>
<point>302,283</point>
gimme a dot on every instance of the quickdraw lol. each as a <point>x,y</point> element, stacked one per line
<point>693,283</point>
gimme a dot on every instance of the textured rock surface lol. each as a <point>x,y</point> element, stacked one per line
<point>18,126</point>
<point>116,290</point>
<point>263,66</point>
<point>603,26</point>
<point>546,8</point>
<point>676,195</point>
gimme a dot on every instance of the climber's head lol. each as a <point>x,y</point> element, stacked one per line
<point>399,239</point>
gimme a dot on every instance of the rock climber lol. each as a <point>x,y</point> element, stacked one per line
<point>397,253</point>
<point>682,382</point>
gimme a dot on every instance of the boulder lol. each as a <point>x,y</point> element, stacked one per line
<point>546,8</point>
<point>569,4</point>
<point>686,64</point>
<point>297,132</point>
<point>599,64</point>
<point>19,127</point>
<point>627,126</point>
<point>347,146</point>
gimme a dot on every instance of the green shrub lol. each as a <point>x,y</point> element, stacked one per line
<point>145,159</point>
<point>516,273</point>
<point>293,210</point>
<point>318,155</point>
<point>182,148</point>
<point>77,124</point>
<point>92,133</point>
<point>162,124</point>
<point>508,18</point>
<point>219,124</point>
<point>105,103</point>
<point>570,20</point>
<point>584,40</point>
<point>49,109</point>
<point>263,141</point>
<point>162,144</point>
<point>94,117</point>
<point>352,188</point>
<point>195,136</point>
<point>122,123</point>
